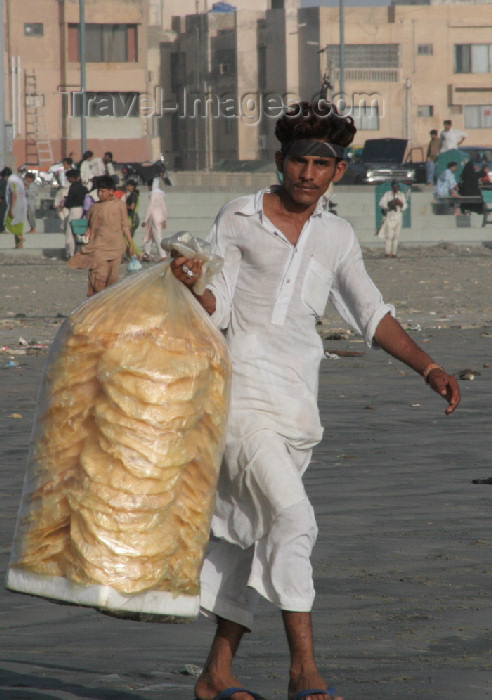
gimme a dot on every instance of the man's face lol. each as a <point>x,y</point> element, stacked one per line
<point>306,178</point>
<point>104,194</point>
<point>447,127</point>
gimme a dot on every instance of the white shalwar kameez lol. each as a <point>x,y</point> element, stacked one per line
<point>269,296</point>
<point>155,217</point>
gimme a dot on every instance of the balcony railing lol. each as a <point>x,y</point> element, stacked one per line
<point>369,75</point>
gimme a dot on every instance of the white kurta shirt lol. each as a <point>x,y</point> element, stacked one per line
<point>269,296</point>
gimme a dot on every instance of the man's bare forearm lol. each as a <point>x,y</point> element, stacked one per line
<point>207,300</point>
<point>392,338</point>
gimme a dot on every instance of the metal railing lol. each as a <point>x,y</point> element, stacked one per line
<point>373,75</point>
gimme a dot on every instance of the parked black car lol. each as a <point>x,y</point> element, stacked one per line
<point>381,160</point>
<point>144,172</point>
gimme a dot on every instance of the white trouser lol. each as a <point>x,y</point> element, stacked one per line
<point>277,567</point>
<point>392,227</point>
<point>153,234</point>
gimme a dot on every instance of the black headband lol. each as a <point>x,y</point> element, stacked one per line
<point>311,147</point>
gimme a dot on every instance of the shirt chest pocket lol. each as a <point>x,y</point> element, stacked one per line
<point>316,286</point>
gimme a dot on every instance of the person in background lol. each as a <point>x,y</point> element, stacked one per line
<point>107,230</point>
<point>485,175</point>
<point>107,160</point>
<point>451,138</point>
<point>131,199</point>
<point>15,196</point>
<point>91,168</point>
<point>32,191</point>
<point>446,185</point>
<point>73,203</point>
<point>469,187</point>
<point>393,203</point>
<point>155,220</point>
<point>433,150</point>
<point>61,173</point>
<point>61,176</point>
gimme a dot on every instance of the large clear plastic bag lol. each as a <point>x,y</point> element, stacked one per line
<point>125,453</point>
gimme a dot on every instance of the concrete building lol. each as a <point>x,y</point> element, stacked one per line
<point>407,67</point>
<point>41,50</point>
<point>205,81</point>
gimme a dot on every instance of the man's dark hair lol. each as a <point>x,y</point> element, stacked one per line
<point>447,121</point>
<point>315,120</point>
<point>30,175</point>
<point>72,173</point>
<point>104,182</point>
<point>68,160</point>
<point>109,155</point>
<point>451,163</point>
<point>6,172</point>
<point>87,154</point>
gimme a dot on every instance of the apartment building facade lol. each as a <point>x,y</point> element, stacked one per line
<point>406,68</point>
<point>43,78</point>
<point>205,81</point>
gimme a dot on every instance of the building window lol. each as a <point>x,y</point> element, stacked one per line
<point>105,43</point>
<point>33,29</point>
<point>425,50</point>
<point>225,61</point>
<point>366,117</point>
<point>472,58</point>
<point>425,111</point>
<point>106,104</point>
<point>478,116</point>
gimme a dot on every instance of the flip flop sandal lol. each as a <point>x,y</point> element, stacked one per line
<point>313,691</point>
<point>229,692</point>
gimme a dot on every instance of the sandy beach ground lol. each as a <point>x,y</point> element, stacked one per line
<point>403,559</point>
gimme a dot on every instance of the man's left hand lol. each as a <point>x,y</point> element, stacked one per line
<point>447,386</point>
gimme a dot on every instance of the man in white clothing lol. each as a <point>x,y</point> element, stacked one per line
<point>451,138</point>
<point>393,203</point>
<point>16,213</point>
<point>284,256</point>
<point>155,220</point>
<point>446,185</point>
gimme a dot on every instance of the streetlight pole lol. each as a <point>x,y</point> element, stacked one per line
<point>341,49</point>
<point>3,135</point>
<point>83,137</point>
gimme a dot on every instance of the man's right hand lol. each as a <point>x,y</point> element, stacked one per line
<point>186,270</point>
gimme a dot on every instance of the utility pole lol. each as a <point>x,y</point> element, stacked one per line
<point>3,135</point>
<point>341,49</point>
<point>83,138</point>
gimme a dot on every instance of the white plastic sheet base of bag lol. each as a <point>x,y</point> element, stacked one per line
<point>124,454</point>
